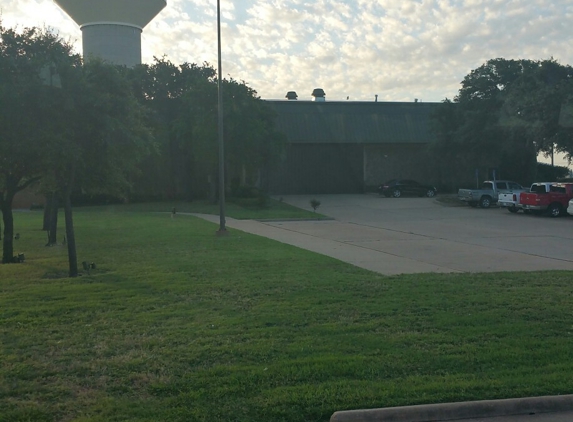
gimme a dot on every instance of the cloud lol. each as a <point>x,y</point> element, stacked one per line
<point>28,13</point>
<point>397,49</point>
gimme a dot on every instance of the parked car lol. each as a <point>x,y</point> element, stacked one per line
<point>553,202</point>
<point>489,192</point>
<point>570,207</point>
<point>510,200</point>
<point>398,187</point>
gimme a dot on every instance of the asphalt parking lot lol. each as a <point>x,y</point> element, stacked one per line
<point>414,235</point>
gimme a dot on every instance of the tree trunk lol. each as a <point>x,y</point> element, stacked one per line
<point>47,210</point>
<point>8,219</point>
<point>52,206</point>
<point>53,231</point>
<point>12,186</point>
<point>70,236</point>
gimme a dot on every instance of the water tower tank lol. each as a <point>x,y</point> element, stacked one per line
<point>111,29</point>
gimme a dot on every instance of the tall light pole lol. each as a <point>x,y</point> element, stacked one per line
<point>222,229</point>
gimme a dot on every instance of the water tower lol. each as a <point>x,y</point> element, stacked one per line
<point>111,29</point>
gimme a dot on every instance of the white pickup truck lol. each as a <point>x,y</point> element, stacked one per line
<point>510,200</point>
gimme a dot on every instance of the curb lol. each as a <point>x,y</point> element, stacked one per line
<point>460,410</point>
<point>292,220</point>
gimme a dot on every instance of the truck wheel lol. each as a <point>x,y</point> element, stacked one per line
<point>396,193</point>
<point>485,202</point>
<point>555,210</point>
<point>430,193</point>
<point>512,210</point>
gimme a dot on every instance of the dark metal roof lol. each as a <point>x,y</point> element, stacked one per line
<point>354,122</point>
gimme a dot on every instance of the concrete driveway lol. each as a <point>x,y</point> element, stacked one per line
<point>413,235</point>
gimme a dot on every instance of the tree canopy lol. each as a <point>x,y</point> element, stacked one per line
<point>184,101</point>
<point>30,122</point>
<point>506,112</point>
<point>74,125</point>
<point>147,132</point>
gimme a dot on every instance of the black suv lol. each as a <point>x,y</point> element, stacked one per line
<point>398,187</point>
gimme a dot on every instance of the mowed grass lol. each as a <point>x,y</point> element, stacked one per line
<point>238,208</point>
<point>176,324</point>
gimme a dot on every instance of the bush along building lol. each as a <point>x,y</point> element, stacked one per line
<point>350,146</point>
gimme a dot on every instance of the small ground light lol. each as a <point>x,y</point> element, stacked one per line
<point>88,266</point>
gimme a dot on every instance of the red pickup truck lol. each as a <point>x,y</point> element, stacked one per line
<point>554,202</point>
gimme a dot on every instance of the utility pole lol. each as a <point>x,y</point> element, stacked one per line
<point>222,229</point>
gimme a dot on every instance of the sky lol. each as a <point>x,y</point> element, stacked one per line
<point>400,50</point>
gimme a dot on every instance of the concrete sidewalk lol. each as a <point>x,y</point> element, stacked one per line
<point>314,236</point>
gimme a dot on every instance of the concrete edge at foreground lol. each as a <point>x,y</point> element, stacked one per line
<point>460,410</point>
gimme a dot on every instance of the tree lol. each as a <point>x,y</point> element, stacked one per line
<point>162,86</point>
<point>251,140</point>
<point>184,101</point>
<point>87,134</point>
<point>506,112</point>
<point>26,123</point>
<point>252,144</point>
<point>537,103</point>
<point>106,136</point>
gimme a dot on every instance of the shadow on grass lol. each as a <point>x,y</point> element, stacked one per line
<point>274,210</point>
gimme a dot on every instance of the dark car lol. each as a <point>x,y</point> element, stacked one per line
<point>398,187</point>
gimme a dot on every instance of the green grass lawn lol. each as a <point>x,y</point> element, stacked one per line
<point>176,324</point>
<point>239,208</point>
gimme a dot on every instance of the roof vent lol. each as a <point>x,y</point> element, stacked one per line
<point>318,94</point>
<point>291,95</point>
